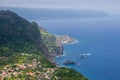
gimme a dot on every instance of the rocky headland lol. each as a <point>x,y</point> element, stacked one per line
<point>55,43</point>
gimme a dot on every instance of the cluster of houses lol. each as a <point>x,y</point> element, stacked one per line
<point>65,39</point>
<point>18,69</point>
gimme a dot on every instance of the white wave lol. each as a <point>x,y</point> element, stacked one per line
<point>60,56</point>
<point>76,41</point>
<point>86,54</point>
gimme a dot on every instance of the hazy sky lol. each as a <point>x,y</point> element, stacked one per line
<point>112,6</point>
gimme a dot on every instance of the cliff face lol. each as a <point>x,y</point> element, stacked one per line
<point>55,43</point>
<point>55,48</point>
<point>17,34</point>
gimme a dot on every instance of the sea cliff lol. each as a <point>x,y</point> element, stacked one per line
<point>25,52</point>
<point>55,43</point>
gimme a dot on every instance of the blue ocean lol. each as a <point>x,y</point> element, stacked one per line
<point>99,37</point>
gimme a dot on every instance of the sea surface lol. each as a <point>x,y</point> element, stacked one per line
<point>98,37</point>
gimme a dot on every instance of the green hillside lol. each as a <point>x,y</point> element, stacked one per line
<point>25,52</point>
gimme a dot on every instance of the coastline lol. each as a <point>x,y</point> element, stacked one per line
<point>60,55</point>
<point>76,41</point>
<point>68,43</point>
<point>61,41</point>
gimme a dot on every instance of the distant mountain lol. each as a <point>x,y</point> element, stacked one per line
<point>56,13</point>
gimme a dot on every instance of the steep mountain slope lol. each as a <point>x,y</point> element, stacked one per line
<point>17,34</point>
<point>51,42</point>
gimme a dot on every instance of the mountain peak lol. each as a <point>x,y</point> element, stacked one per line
<point>7,14</point>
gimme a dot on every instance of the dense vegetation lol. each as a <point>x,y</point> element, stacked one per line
<point>24,53</point>
<point>68,74</point>
<point>19,35</point>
